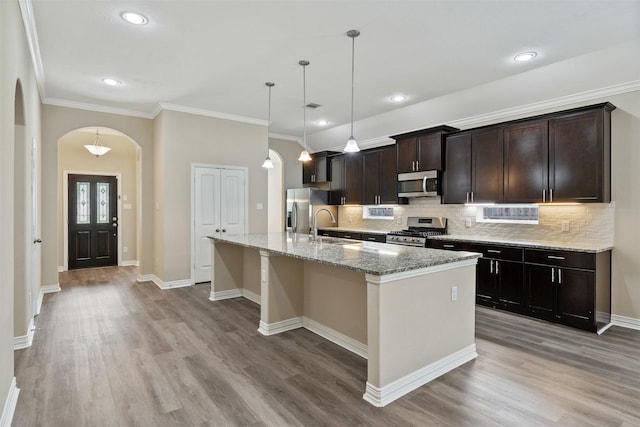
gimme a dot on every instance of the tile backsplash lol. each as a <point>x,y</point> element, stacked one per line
<point>588,223</point>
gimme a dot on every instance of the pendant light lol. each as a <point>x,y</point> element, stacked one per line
<point>267,162</point>
<point>352,144</point>
<point>304,156</point>
<point>96,148</point>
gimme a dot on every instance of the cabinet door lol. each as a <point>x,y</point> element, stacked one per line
<point>487,167</point>
<point>388,176</point>
<point>575,296</point>
<point>485,282</point>
<point>321,168</point>
<point>406,150</point>
<point>430,152</point>
<point>457,170</point>
<point>370,171</point>
<point>577,158</point>
<point>526,159</point>
<point>541,291</point>
<point>308,171</point>
<point>353,178</point>
<point>336,186</point>
<point>510,285</point>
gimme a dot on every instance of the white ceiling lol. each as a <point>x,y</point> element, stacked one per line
<point>215,56</point>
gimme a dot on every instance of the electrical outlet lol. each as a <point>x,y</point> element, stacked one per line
<point>467,222</point>
<point>454,293</point>
<point>566,226</point>
<point>125,249</point>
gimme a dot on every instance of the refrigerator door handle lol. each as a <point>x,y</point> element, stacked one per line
<point>294,217</point>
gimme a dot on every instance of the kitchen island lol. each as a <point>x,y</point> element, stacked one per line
<point>409,311</point>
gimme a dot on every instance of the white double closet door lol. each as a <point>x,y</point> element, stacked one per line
<point>219,206</point>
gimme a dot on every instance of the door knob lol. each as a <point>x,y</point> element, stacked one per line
<point>224,230</point>
<point>217,230</point>
<point>37,241</point>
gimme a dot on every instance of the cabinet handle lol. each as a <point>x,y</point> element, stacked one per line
<point>417,165</point>
<point>448,246</point>
<point>371,238</point>
<point>553,275</point>
<point>559,277</point>
<point>551,195</point>
<point>491,267</point>
<point>467,197</point>
<point>555,257</point>
<point>497,270</point>
<point>346,236</point>
<point>494,251</point>
<point>544,195</point>
<point>472,197</point>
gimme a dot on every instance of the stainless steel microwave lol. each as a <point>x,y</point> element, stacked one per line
<point>418,184</point>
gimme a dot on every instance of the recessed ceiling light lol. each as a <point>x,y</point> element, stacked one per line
<point>525,56</point>
<point>134,18</point>
<point>322,122</point>
<point>398,98</point>
<point>111,82</point>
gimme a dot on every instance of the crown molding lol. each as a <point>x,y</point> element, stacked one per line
<point>536,107</point>
<point>95,107</point>
<point>367,143</point>
<point>26,9</point>
<point>214,114</point>
<point>286,137</point>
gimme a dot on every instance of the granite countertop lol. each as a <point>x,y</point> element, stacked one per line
<point>372,258</point>
<point>576,247</point>
<point>353,230</point>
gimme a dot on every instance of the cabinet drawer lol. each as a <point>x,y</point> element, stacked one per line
<point>449,245</point>
<point>561,258</point>
<point>506,253</point>
<point>328,233</point>
<point>374,237</point>
<point>348,235</point>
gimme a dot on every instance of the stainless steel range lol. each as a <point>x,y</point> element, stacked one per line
<point>418,231</point>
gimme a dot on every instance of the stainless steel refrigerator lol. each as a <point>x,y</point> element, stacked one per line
<point>302,203</point>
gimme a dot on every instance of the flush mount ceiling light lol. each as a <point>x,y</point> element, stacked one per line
<point>96,148</point>
<point>304,156</point>
<point>525,56</point>
<point>111,82</point>
<point>134,18</point>
<point>322,122</point>
<point>398,98</point>
<point>352,144</point>
<point>267,162</point>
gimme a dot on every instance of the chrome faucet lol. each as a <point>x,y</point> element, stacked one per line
<point>314,235</point>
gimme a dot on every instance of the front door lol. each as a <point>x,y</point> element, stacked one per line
<point>93,221</point>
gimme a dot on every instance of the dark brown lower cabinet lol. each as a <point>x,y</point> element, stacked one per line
<point>572,288</point>
<point>568,287</point>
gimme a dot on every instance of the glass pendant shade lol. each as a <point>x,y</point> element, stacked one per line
<point>352,145</point>
<point>96,148</point>
<point>304,156</point>
<point>268,164</point>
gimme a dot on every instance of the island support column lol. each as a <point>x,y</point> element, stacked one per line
<point>281,293</point>
<point>421,324</point>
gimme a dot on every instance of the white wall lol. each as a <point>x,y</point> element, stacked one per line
<point>15,63</point>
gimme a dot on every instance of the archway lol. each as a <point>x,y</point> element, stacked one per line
<point>122,161</point>
<point>275,196</point>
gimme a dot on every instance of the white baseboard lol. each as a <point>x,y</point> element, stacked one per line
<point>164,285</point>
<point>25,341</point>
<point>279,327</point>
<point>220,295</point>
<point>61,269</point>
<point>45,289</point>
<point>10,405</point>
<point>380,397</point>
<point>625,322</point>
<point>131,263</point>
<point>251,296</point>
<point>335,337</point>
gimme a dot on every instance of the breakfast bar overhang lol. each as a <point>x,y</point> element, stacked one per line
<point>409,311</point>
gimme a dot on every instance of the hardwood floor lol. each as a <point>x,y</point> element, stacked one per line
<point>112,352</point>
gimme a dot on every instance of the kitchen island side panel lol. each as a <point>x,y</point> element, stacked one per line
<point>226,266</point>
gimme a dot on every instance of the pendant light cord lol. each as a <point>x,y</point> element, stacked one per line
<point>353,55</point>
<point>304,106</point>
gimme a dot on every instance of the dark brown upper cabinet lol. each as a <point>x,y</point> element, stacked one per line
<point>580,156</point>
<point>380,176</point>
<point>526,162</point>
<point>473,167</point>
<point>346,187</point>
<point>318,169</point>
<point>421,150</point>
